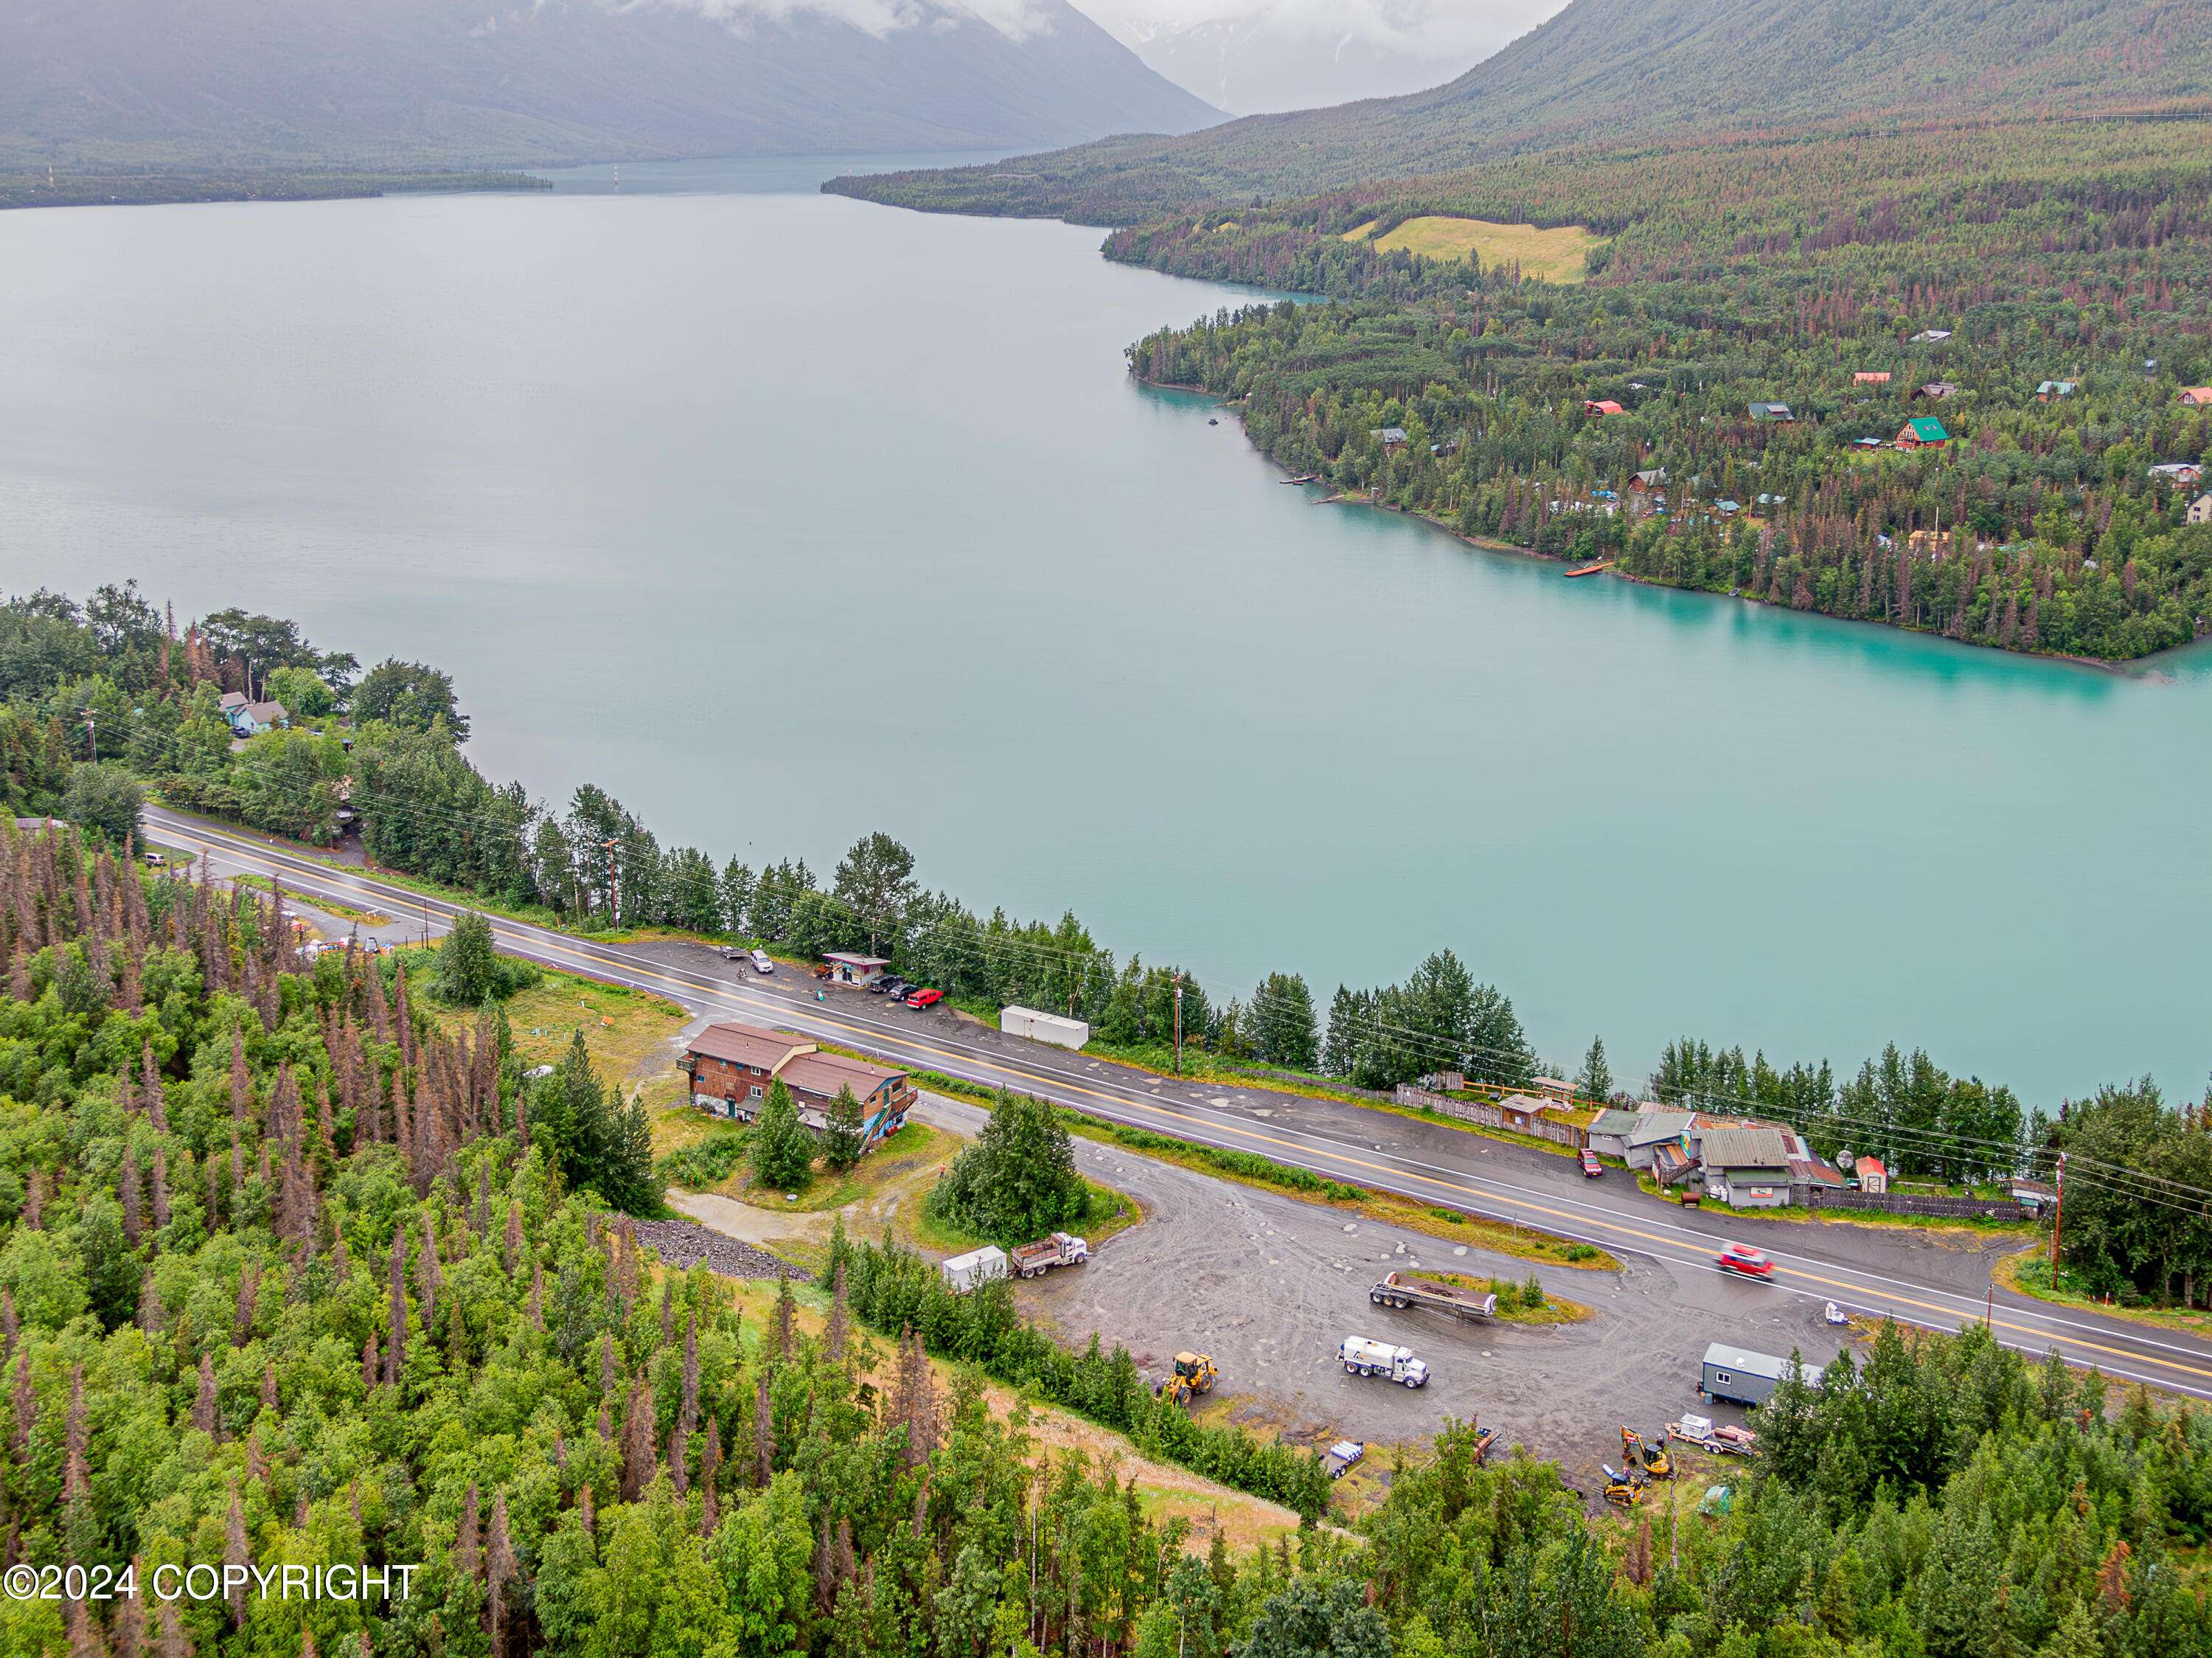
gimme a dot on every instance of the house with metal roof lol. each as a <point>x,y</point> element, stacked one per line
<point>1925,433</point>
<point>1653,1129</point>
<point>1776,412</point>
<point>1931,336</point>
<point>1746,1167</point>
<point>733,1066</point>
<point>2053,388</point>
<point>1609,1131</point>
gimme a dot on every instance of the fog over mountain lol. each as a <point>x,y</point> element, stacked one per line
<point>1296,54</point>
<point>401,82</point>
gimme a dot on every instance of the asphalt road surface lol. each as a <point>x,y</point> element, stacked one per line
<point>1940,1280</point>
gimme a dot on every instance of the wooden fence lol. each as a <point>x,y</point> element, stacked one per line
<point>1897,1202</point>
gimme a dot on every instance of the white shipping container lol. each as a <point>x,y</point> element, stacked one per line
<point>1044,1028</point>
<point>978,1266</point>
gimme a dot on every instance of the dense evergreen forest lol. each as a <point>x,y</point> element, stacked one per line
<point>2043,295</point>
<point>286,1278</point>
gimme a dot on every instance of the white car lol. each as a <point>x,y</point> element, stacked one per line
<point>764,962</point>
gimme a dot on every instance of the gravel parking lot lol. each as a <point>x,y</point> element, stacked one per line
<point>1269,1285</point>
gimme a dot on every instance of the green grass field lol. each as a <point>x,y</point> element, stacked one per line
<point>1554,255</point>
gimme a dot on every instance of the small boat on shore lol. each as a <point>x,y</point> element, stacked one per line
<point>1589,570</point>
<point>1310,478</point>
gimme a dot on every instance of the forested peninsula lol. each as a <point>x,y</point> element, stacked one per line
<point>1943,379</point>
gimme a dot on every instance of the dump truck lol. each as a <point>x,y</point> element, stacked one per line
<point>1061,1249</point>
<point>1401,1290</point>
<point>974,1269</point>
<point>1363,1357</point>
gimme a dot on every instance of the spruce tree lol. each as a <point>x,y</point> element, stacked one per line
<point>782,1149</point>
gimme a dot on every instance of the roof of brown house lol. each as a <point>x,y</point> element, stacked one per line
<point>825,1073</point>
<point>749,1045</point>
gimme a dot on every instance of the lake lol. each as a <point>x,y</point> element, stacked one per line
<point>786,517</point>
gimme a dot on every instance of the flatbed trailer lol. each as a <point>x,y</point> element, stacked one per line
<point>1402,1290</point>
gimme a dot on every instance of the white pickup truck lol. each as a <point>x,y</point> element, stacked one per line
<point>1363,1357</point>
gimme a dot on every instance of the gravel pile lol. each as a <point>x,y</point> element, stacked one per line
<point>684,1244</point>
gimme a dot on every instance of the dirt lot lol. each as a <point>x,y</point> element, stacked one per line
<point>1270,1285</point>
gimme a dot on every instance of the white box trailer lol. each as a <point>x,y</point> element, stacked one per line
<point>1737,1375</point>
<point>1363,1357</point>
<point>977,1267</point>
<point>1071,1034</point>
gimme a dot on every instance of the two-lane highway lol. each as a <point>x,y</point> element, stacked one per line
<point>1916,1276</point>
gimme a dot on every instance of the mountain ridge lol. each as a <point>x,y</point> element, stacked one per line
<point>409,82</point>
<point>1631,70</point>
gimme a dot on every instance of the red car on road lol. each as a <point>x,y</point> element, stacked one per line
<point>924,998</point>
<point>1742,1257</point>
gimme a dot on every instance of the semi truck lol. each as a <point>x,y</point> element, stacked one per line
<point>1364,1357</point>
<point>974,1269</point>
<point>1402,1290</point>
<point>1061,1249</point>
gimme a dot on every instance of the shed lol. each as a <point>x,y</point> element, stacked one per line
<point>2050,388</point>
<point>1931,336</point>
<point>1740,1375</point>
<point>846,968</point>
<point>1391,436</point>
<point>1874,1178</point>
<point>1939,389</point>
<point>2200,509</point>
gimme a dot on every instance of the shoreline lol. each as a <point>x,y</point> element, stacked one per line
<point>2121,670</point>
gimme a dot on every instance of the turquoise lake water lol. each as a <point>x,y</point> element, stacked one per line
<point>786,517</point>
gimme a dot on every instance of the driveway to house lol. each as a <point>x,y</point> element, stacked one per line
<point>1940,1279</point>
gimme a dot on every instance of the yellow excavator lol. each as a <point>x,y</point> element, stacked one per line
<point>1194,1373</point>
<point>1651,1458</point>
<point>1623,1487</point>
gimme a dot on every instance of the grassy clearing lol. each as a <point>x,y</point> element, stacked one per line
<point>1554,255</point>
<point>628,1034</point>
<point>1477,1232</point>
<point>326,905</point>
<point>1515,1304</point>
<point>1163,1492</point>
<point>2029,1273</point>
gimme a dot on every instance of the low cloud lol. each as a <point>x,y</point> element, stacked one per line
<point>1017,20</point>
<point>1413,28</point>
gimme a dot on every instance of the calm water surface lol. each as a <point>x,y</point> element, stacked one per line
<point>786,517</point>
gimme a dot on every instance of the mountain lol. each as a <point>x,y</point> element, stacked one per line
<point>1293,54</point>
<point>1626,70</point>
<point>401,83</point>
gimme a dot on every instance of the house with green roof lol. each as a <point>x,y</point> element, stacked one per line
<point>1925,433</point>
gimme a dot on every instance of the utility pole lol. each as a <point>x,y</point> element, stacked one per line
<point>2057,1218</point>
<point>614,883</point>
<point>92,731</point>
<point>1178,1024</point>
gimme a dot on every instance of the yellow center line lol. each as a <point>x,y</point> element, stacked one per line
<point>547,942</point>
